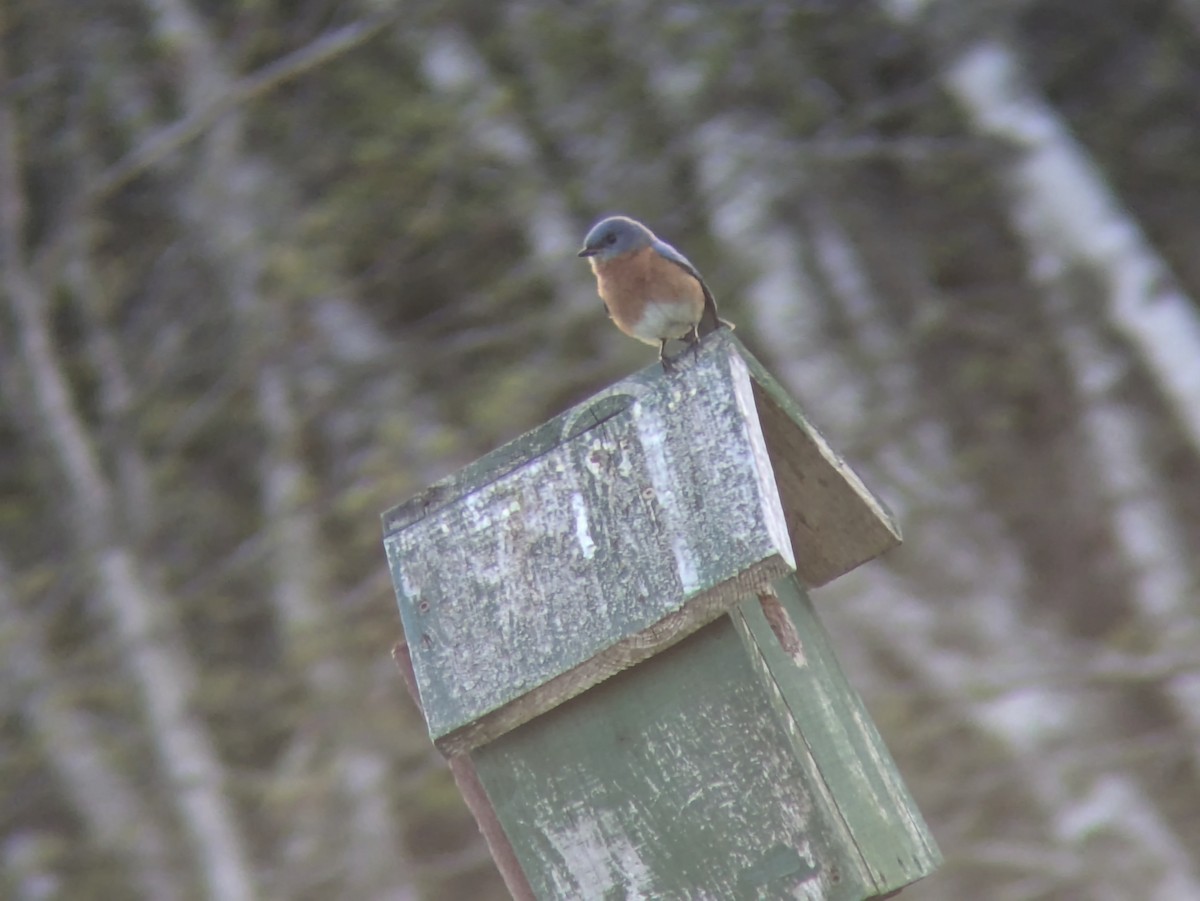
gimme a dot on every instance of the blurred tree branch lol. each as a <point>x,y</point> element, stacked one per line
<point>113,805</point>
<point>224,210</point>
<point>170,138</point>
<point>133,603</point>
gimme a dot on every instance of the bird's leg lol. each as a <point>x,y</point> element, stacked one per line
<point>662,356</point>
<point>693,338</point>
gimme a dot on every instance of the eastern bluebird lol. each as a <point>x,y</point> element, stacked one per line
<point>649,288</point>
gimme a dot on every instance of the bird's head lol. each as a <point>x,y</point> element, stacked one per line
<point>614,236</point>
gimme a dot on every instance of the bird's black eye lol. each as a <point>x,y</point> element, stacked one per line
<point>610,238</point>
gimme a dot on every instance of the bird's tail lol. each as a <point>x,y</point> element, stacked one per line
<point>709,320</point>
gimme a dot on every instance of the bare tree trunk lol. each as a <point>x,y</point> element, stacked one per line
<point>117,817</point>
<point>225,205</point>
<point>140,614</point>
<point>1071,217</point>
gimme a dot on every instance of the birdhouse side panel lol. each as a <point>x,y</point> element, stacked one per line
<point>671,780</point>
<point>815,704</point>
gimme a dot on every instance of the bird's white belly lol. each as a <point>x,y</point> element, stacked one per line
<point>664,320</point>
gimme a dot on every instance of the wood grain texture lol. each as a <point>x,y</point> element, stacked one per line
<point>827,720</point>
<point>672,780</point>
<point>540,579</point>
<point>612,531</point>
<point>725,767</point>
<point>836,523</point>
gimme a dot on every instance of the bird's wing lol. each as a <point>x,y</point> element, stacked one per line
<point>709,320</point>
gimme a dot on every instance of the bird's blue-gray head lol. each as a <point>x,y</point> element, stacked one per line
<point>614,236</point>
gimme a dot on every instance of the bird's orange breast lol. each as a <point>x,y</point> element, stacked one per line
<point>648,296</point>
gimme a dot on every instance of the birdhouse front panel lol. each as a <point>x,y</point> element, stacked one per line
<point>633,530</point>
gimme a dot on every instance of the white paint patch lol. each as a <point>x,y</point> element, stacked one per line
<point>685,564</point>
<point>597,853</point>
<point>764,474</point>
<point>652,434</point>
<point>582,533</point>
<point>395,554</point>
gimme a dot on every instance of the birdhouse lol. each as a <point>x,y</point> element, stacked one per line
<point>608,624</point>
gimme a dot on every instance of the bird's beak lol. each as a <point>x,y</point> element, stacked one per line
<point>588,252</point>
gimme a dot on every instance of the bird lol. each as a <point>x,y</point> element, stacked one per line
<point>652,291</point>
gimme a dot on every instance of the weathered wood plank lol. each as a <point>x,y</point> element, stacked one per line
<point>809,689</point>
<point>649,519</point>
<point>515,454</point>
<point>836,523</point>
<point>672,780</point>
